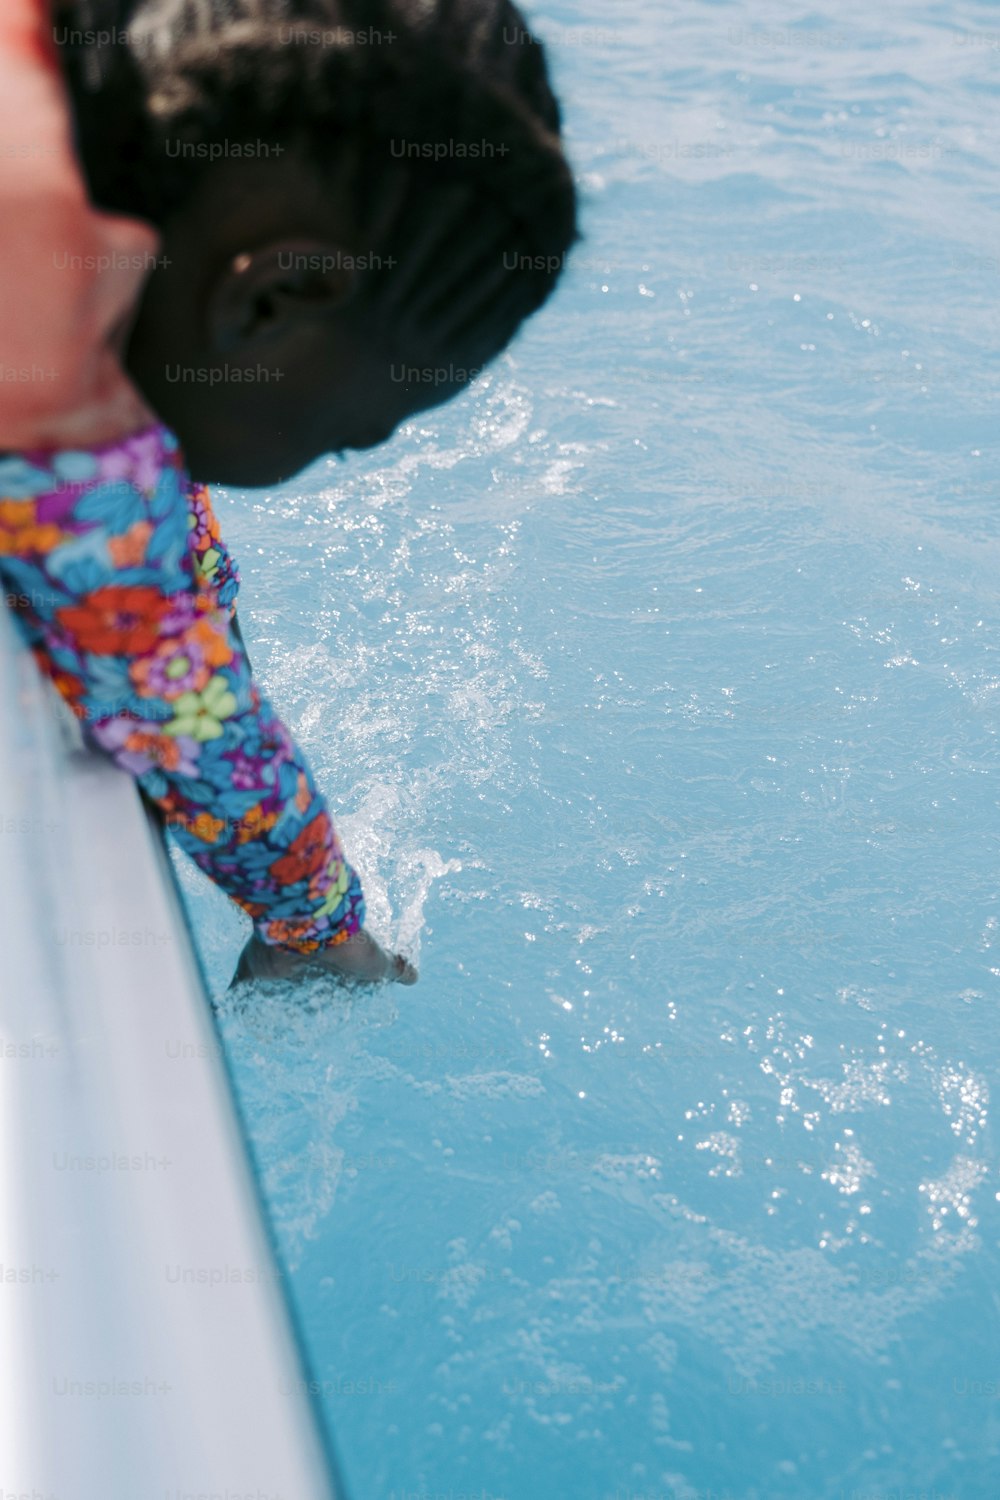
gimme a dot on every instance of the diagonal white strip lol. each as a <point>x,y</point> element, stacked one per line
<point>146,1342</point>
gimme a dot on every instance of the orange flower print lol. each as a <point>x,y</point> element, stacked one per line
<point>211,637</point>
<point>255,823</point>
<point>16,513</point>
<point>292,934</point>
<point>19,531</point>
<point>129,549</point>
<point>116,620</point>
<point>307,853</point>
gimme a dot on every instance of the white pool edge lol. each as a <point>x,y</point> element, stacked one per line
<point>148,1343</point>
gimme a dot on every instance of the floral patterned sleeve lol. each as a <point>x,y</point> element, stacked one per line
<point>114,567</point>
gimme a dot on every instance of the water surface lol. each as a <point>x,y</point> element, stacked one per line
<point>655,686</point>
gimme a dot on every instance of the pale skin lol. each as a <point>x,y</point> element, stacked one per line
<point>65,328</point>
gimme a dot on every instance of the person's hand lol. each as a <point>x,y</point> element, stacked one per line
<point>70,277</point>
<point>357,960</point>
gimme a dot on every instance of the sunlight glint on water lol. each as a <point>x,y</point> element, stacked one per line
<point>655,687</point>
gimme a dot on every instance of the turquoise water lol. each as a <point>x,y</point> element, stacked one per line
<point>656,685</point>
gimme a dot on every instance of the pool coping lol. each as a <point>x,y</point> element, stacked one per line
<point>149,1337</point>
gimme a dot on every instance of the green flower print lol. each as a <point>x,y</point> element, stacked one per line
<point>200,715</point>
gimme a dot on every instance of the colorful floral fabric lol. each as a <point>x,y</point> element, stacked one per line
<point>113,564</point>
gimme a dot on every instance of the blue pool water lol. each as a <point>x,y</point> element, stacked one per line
<point>656,687</point>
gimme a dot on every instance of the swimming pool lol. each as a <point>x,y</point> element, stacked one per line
<point>656,687</point>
